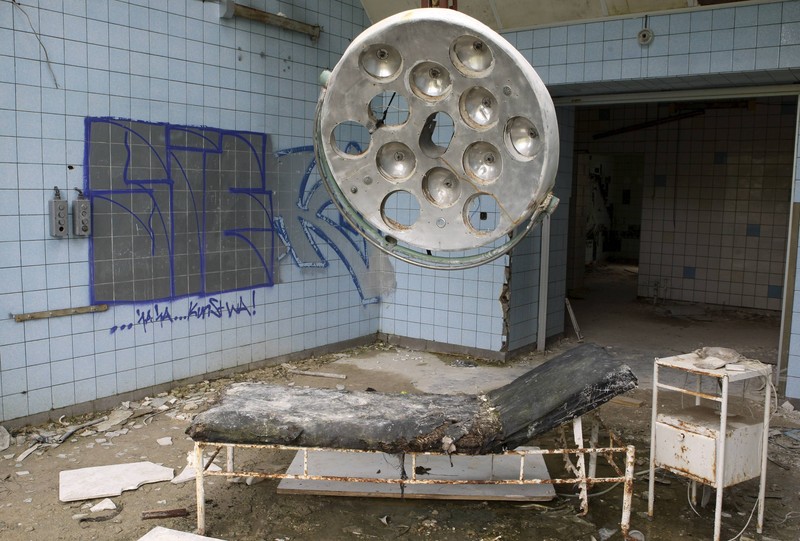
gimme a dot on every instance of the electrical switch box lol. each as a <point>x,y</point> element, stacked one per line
<point>81,217</point>
<point>58,217</point>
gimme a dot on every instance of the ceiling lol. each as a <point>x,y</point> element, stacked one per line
<point>506,15</point>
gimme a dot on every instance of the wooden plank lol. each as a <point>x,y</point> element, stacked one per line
<point>385,466</point>
<point>317,374</point>
<point>627,401</point>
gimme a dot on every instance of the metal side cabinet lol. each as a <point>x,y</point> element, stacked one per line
<point>704,443</point>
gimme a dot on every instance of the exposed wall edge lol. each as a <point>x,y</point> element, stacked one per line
<point>110,402</point>
<point>440,347</point>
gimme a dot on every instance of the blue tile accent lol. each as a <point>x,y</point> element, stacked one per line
<point>660,181</point>
<point>720,158</point>
<point>753,230</point>
<point>774,292</point>
<point>792,387</point>
<point>689,272</point>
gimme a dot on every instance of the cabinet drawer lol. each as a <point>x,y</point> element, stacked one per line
<point>694,453</point>
<point>686,453</point>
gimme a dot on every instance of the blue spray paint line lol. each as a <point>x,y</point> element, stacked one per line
<point>207,308</point>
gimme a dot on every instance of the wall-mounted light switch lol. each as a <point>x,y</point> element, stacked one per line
<point>81,216</point>
<point>58,215</point>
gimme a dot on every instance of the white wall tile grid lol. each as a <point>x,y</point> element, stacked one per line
<point>175,62</point>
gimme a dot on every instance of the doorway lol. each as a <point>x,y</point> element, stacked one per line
<point>683,208</point>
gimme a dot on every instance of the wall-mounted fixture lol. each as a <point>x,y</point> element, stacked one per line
<point>57,208</point>
<point>81,216</point>
<point>229,9</point>
<point>645,37</point>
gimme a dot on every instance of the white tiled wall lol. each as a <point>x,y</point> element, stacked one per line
<point>450,307</point>
<point>736,39</point>
<point>170,61</point>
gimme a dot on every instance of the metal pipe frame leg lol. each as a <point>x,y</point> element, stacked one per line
<point>762,484</point>
<point>627,498</point>
<point>577,431</point>
<point>200,488</point>
<point>721,444</point>
<point>652,480</point>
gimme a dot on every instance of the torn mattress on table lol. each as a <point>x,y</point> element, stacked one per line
<point>563,388</point>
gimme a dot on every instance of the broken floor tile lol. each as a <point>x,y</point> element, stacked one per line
<point>5,438</point>
<point>164,534</point>
<point>189,474</point>
<point>104,481</point>
<point>103,505</point>
<point>115,418</point>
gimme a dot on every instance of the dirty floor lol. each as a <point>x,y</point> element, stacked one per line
<point>609,314</point>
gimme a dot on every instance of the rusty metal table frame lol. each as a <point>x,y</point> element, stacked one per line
<point>584,476</point>
<point>685,363</point>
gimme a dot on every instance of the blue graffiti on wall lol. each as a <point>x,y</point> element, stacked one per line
<point>205,308</point>
<point>176,211</point>
<point>181,211</point>
<point>319,220</point>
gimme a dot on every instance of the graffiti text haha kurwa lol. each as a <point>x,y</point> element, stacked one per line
<point>210,307</point>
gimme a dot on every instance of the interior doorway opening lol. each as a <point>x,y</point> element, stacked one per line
<point>681,210</point>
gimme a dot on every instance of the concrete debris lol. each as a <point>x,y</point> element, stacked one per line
<point>105,481</point>
<point>103,505</point>
<point>5,438</point>
<point>23,473</point>
<point>156,403</point>
<point>787,406</point>
<point>606,533</point>
<point>30,450</point>
<point>160,533</point>
<point>250,481</point>
<point>115,418</point>
<point>189,474</point>
<point>461,363</point>
<point>167,440</point>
